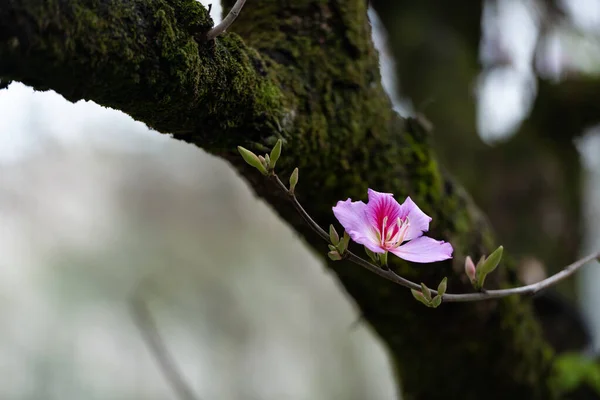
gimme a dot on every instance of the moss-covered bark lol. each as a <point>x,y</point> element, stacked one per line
<point>306,71</point>
<point>147,58</point>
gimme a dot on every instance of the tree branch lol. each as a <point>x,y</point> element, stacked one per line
<point>149,331</point>
<point>391,276</point>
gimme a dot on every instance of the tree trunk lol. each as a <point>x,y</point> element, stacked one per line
<point>305,71</point>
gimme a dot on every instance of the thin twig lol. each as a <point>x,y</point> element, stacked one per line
<point>157,347</point>
<point>522,290</point>
<point>227,21</point>
<point>448,297</point>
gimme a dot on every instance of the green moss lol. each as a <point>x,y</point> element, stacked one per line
<point>148,59</point>
<point>572,371</point>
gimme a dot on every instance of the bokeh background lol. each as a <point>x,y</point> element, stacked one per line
<point>95,208</point>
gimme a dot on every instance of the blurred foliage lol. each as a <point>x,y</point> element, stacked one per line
<point>529,184</point>
<point>576,376</point>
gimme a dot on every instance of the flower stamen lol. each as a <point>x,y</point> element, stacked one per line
<point>391,237</point>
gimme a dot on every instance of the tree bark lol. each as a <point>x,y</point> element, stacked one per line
<point>305,71</point>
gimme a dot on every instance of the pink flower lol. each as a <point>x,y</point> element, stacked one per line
<point>384,225</point>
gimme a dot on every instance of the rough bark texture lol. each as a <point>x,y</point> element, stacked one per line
<point>306,71</point>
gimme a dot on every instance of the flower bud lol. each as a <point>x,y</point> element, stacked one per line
<point>275,153</point>
<point>334,238</point>
<point>263,161</point>
<point>470,269</point>
<point>441,289</point>
<point>419,296</point>
<point>426,292</point>
<point>437,300</point>
<point>252,159</point>
<point>293,180</point>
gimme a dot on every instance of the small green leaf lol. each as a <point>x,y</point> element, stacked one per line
<point>488,265</point>
<point>492,261</point>
<point>419,296</point>
<point>334,238</point>
<point>252,159</point>
<point>426,292</point>
<point>437,300</point>
<point>334,255</point>
<point>476,281</point>
<point>481,261</point>
<point>275,153</point>
<point>293,180</point>
<point>343,245</point>
<point>332,247</point>
<point>442,286</point>
<point>372,255</point>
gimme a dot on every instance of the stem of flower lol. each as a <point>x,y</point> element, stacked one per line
<point>447,297</point>
<point>383,259</point>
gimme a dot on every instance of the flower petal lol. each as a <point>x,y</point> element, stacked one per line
<point>382,205</point>
<point>424,250</point>
<point>419,221</point>
<point>352,215</point>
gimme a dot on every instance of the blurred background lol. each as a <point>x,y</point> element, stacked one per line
<point>95,208</point>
